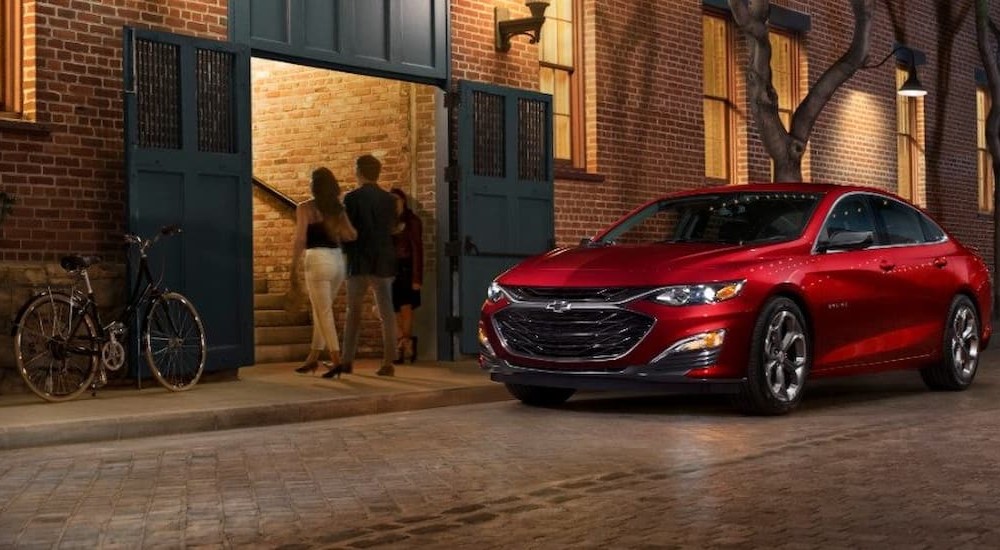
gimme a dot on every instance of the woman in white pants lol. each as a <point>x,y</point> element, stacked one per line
<point>321,225</point>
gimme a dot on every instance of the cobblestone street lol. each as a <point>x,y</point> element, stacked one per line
<point>865,463</point>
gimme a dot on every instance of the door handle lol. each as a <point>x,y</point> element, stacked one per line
<point>940,262</point>
<point>886,265</point>
<point>470,247</point>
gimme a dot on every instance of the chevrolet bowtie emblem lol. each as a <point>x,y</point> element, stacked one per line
<point>559,306</point>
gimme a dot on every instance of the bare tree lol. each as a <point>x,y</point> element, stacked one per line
<point>988,39</point>
<point>787,147</point>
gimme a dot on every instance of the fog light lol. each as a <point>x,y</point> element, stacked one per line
<point>703,341</point>
<point>484,343</point>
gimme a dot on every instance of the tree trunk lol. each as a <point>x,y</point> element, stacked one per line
<point>988,55</point>
<point>787,147</point>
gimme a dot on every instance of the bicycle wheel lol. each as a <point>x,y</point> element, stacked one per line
<point>174,341</point>
<point>54,346</point>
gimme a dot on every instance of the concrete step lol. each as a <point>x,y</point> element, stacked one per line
<point>280,353</point>
<point>260,286</point>
<point>269,301</point>
<point>282,335</point>
<point>279,318</point>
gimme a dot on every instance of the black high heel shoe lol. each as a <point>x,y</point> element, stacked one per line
<point>334,372</point>
<point>308,367</point>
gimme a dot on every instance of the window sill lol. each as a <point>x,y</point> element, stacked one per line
<point>24,126</point>
<point>572,173</point>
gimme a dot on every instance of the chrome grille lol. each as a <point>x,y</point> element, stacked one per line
<point>580,334</point>
<point>546,294</point>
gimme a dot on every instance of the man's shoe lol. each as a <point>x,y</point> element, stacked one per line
<point>386,370</point>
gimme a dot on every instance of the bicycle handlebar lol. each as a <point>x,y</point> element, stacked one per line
<point>145,244</point>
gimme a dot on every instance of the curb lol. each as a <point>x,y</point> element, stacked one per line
<point>167,423</point>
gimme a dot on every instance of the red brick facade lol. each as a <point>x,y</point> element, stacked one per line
<point>643,106</point>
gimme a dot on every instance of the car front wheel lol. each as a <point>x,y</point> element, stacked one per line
<point>780,359</point>
<point>960,357</point>
<point>539,396</point>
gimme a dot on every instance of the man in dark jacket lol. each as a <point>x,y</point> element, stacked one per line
<point>371,260</point>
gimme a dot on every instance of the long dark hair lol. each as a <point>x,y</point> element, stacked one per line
<point>326,191</point>
<point>406,203</point>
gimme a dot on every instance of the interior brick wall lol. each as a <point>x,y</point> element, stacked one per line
<point>304,118</point>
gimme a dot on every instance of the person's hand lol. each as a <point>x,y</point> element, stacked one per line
<point>416,286</point>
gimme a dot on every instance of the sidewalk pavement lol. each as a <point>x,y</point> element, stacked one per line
<point>262,395</point>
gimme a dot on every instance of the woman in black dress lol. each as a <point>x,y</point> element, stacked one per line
<point>408,242</point>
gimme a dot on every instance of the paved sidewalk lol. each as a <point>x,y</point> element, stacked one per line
<point>263,394</point>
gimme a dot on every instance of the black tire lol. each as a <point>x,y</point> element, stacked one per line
<point>49,329</point>
<point>959,349</point>
<point>766,390</point>
<point>540,396</point>
<point>174,342</point>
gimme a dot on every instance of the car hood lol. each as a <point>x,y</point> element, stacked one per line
<point>622,265</point>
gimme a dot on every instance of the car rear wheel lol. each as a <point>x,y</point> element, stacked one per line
<point>780,359</point>
<point>960,357</point>
<point>540,396</point>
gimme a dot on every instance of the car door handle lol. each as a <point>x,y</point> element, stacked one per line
<point>886,265</point>
<point>940,262</point>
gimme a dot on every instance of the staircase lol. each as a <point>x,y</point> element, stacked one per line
<point>279,337</point>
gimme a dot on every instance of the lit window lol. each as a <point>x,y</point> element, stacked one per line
<point>718,103</point>
<point>784,74</point>
<point>10,58</point>
<point>983,160</point>
<point>559,76</point>
<point>908,142</point>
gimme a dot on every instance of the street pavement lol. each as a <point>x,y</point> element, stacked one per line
<point>872,462</point>
<point>262,395</point>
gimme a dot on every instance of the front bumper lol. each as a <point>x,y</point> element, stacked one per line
<point>632,378</point>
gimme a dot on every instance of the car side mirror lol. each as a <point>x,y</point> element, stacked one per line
<point>848,240</point>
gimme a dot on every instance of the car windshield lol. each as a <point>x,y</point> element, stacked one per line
<point>725,218</point>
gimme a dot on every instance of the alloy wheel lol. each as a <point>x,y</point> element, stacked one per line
<point>785,356</point>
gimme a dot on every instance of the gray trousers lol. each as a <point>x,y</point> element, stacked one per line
<point>356,287</point>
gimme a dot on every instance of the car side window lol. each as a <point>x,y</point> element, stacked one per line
<point>902,223</point>
<point>851,213</point>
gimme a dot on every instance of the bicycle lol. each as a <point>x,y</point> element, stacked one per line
<point>62,348</point>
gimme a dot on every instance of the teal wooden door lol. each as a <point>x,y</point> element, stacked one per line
<point>188,161</point>
<point>505,189</point>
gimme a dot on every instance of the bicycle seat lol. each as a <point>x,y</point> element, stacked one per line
<point>75,262</point>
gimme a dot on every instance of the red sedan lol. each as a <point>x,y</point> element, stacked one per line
<point>750,290</point>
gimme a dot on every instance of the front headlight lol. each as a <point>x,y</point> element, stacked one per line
<point>712,293</point>
<point>494,293</point>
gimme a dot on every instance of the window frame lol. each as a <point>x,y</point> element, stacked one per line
<point>912,140</point>
<point>11,60</point>
<point>984,163</point>
<point>728,102</point>
<point>577,128</point>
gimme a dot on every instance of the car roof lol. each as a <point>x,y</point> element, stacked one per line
<point>824,188</point>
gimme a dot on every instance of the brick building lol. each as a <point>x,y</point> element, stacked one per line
<point>647,97</point>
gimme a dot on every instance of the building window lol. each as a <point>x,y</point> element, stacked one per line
<point>10,58</point>
<point>908,146</point>
<point>983,160</point>
<point>719,102</point>
<point>785,74</point>
<point>560,77</point>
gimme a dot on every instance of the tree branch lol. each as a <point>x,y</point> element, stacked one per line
<point>805,116</point>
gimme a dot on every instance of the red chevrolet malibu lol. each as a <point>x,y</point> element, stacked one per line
<point>750,290</point>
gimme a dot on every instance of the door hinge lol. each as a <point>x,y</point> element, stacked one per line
<point>453,323</point>
<point>452,173</point>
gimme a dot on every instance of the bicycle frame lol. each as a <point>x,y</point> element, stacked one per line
<point>141,295</point>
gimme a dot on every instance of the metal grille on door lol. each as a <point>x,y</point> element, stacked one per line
<point>159,94</point>
<point>216,125</point>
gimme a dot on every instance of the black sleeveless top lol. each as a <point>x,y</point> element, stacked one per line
<point>316,237</point>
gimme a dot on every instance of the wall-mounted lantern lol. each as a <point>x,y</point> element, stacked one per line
<point>506,28</point>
